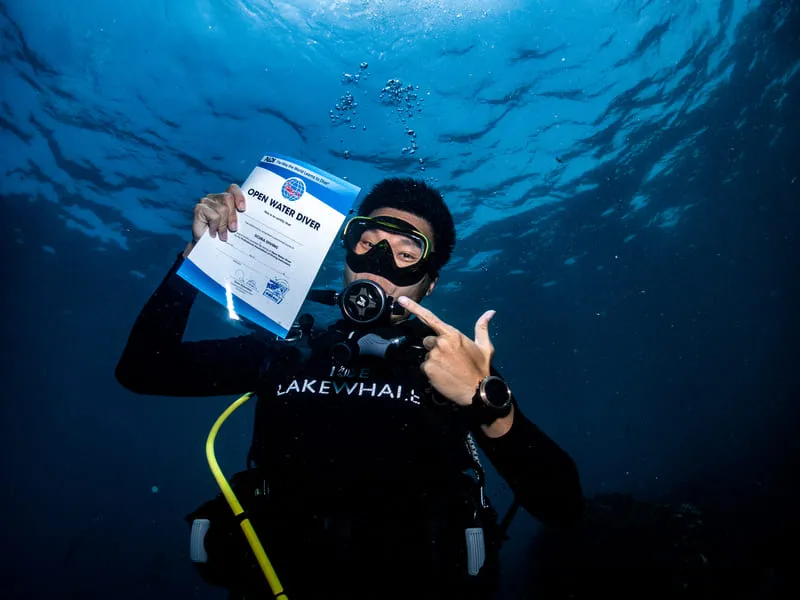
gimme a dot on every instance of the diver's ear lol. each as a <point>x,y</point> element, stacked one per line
<point>431,285</point>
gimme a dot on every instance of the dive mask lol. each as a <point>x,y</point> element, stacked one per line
<point>403,258</point>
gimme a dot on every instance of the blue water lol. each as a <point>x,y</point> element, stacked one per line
<point>625,181</point>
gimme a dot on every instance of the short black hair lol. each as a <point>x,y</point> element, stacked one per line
<point>420,199</point>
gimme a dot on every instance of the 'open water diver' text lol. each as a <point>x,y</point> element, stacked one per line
<point>284,208</point>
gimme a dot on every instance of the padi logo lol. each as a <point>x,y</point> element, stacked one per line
<point>293,188</point>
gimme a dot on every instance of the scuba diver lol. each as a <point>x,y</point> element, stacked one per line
<point>363,478</point>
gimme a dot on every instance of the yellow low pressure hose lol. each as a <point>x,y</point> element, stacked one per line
<point>247,527</point>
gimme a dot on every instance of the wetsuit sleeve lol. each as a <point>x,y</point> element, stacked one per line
<point>543,477</point>
<point>157,361</point>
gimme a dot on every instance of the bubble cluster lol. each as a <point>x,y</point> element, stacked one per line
<point>404,97</point>
<point>355,78</point>
<point>408,103</point>
<point>412,146</point>
<point>344,111</point>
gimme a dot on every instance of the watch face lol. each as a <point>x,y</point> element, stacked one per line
<point>496,393</point>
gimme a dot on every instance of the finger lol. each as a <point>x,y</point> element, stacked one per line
<point>199,221</point>
<point>226,205</point>
<point>424,315</point>
<point>199,225</point>
<point>213,200</point>
<point>425,366</point>
<point>229,198</point>
<point>205,218</point>
<point>482,338</point>
<point>233,218</point>
<point>429,342</point>
<point>238,197</point>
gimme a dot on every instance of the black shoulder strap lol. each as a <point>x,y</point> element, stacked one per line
<point>286,355</point>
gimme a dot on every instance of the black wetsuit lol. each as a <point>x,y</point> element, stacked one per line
<point>364,462</point>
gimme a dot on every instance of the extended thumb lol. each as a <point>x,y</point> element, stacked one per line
<point>482,328</point>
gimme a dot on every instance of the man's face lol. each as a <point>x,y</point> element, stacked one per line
<point>418,290</point>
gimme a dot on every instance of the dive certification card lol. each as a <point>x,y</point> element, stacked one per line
<point>265,270</point>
